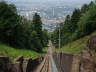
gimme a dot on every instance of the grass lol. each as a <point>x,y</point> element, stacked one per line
<point>45,50</point>
<point>76,46</point>
<point>6,50</point>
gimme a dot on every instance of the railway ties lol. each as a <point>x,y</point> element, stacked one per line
<point>48,64</point>
<point>45,67</point>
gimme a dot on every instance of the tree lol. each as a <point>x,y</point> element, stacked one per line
<point>45,37</point>
<point>74,19</point>
<point>8,21</point>
<point>87,23</point>
<point>19,32</point>
<point>82,22</point>
<point>13,8</point>
<point>37,24</point>
<point>84,8</point>
<point>66,27</point>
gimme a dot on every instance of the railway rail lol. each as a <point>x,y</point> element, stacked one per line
<point>45,67</point>
<point>48,64</point>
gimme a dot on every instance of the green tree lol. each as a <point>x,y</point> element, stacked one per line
<point>84,8</point>
<point>74,19</point>
<point>87,23</point>
<point>19,32</point>
<point>37,24</point>
<point>8,21</point>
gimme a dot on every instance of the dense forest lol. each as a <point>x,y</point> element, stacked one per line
<point>18,32</point>
<point>21,33</point>
<point>81,23</point>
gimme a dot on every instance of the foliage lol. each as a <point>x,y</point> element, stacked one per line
<point>81,23</point>
<point>76,46</point>
<point>6,50</point>
<point>17,31</point>
<point>87,23</point>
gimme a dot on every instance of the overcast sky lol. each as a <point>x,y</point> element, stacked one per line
<point>47,0</point>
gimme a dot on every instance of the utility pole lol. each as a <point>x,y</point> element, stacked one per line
<point>59,28</point>
<point>59,37</point>
<point>53,12</point>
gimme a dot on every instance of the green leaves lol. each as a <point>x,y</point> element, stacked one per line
<point>81,23</point>
<point>19,32</point>
<point>87,23</point>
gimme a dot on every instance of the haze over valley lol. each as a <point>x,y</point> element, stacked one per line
<point>52,12</point>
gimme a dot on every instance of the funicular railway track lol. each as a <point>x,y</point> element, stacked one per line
<point>45,67</point>
<point>48,64</point>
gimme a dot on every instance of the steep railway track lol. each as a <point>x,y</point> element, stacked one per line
<point>48,64</point>
<point>45,67</point>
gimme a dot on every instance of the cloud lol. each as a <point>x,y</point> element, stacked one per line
<point>47,0</point>
<point>73,1</point>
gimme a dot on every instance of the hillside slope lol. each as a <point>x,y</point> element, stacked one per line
<point>76,46</point>
<point>6,50</point>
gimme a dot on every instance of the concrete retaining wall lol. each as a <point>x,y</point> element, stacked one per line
<point>21,65</point>
<point>88,61</point>
<point>67,62</point>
